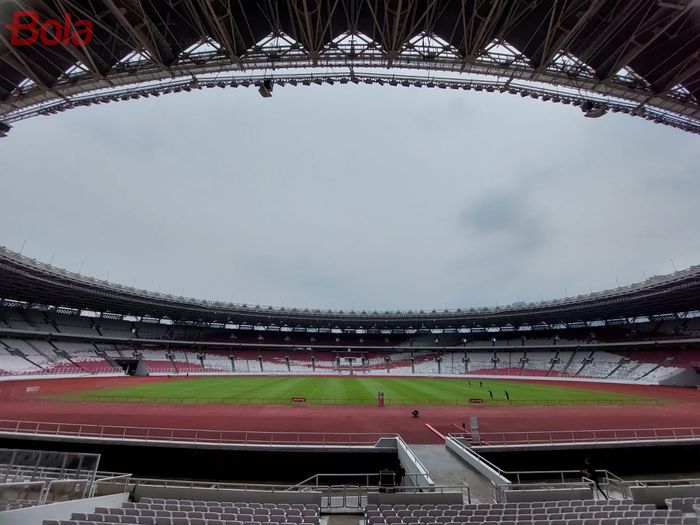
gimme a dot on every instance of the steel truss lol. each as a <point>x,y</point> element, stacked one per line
<point>27,283</point>
<point>590,52</point>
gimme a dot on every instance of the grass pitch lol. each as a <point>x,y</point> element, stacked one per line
<point>355,391</point>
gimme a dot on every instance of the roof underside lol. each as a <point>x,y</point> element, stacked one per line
<point>644,51</point>
<point>26,280</point>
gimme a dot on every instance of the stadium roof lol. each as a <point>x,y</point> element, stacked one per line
<point>27,280</point>
<point>640,57</point>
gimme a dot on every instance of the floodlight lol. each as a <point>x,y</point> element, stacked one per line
<point>265,89</point>
<point>592,110</point>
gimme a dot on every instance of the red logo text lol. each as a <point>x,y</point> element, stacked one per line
<point>27,29</point>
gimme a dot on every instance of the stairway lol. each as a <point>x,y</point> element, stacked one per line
<point>447,469</point>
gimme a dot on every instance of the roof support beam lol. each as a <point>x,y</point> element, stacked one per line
<point>553,46</point>
<point>158,53</point>
<point>654,24</point>
<point>82,54</point>
<point>15,60</point>
<point>221,35</point>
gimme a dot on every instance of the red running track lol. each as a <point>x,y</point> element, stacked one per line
<point>682,410</point>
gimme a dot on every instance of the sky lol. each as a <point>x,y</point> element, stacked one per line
<point>352,197</point>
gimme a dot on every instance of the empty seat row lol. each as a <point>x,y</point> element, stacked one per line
<point>183,520</point>
<point>241,515</point>
<point>582,504</point>
<point>129,518</point>
<point>683,504</point>
<point>536,514</point>
<point>161,501</point>
<point>149,520</point>
<point>217,507</point>
<point>671,520</point>
<point>510,511</point>
<point>500,515</point>
<point>243,518</point>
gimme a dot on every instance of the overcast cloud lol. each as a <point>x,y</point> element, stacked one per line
<point>352,196</point>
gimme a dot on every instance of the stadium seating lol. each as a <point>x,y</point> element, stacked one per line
<point>537,353</point>
<point>192,512</point>
<point>684,504</point>
<point>24,357</point>
<point>52,322</point>
<point>577,512</point>
<point>31,357</point>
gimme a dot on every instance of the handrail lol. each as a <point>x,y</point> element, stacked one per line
<point>9,484</point>
<point>407,450</point>
<point>456,439</point>
<point>316,478</point>
<point>191,484</point>
<point>500,490</point>
<point>111,479</point>
<point>357,490</point>
<point>541,437</point>
<point>661,482</point>
<point>190,435</point>
<point>39,489</point>
<point>71,484</point>
<point>540,473</point>
<point>45,472</point>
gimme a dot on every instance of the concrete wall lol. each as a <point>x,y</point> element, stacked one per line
<point>380,498</point>
<point>59,511</point>
<point>658,495</point>
<point>246,496</point>
<point>687,378</point>
<point>141,369</point>
<point>412,465</point>
<point>475,461</point>
<point>548,494</point>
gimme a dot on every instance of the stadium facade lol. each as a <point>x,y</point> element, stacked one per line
<point>39,285</point>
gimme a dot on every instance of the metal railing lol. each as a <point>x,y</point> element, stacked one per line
<point>355,496</point>
<point>199,436</point>
<point>368,479</point>
<point>553,437</point>
<point>115,484</point>
<point>544,479</point>
<point>333,496</point>
<point>500,491</point>
<point>555,476</point>
<point>662,482</point>
<point>18,494</point>
<point>609,482</point>
<point>215,485</point>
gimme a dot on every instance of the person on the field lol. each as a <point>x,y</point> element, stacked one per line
<point>590,473</point>
<point>491,394</point>
<point>507,395</point>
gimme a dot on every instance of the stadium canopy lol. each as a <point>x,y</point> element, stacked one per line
<point>640,57</point>
<point>37,284</point>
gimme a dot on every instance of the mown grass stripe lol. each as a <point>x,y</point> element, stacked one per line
<point>353,390</point>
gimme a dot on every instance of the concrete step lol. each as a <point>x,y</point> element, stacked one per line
<point>447,469</point>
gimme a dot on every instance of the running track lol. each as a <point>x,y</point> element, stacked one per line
<point>18,404</point>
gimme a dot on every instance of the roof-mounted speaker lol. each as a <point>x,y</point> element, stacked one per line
<point>265,89</point>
